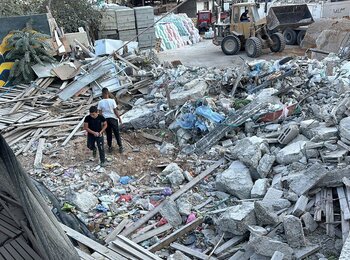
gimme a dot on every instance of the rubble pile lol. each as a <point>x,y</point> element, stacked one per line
<point>259,163</point>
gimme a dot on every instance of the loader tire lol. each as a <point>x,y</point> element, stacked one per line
<point>253,47</point>
<point>290,36</point>
<point>231,45</point>
<point>300,37</point>
<point>279,42</point>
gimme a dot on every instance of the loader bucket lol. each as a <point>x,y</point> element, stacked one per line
<point>292,16</point>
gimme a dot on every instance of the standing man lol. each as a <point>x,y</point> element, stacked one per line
<point>108,108</point>
<point>95,125</point>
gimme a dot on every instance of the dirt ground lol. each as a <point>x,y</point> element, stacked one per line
<point>206,54</point>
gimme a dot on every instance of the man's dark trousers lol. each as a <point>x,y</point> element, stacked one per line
<point>112,125</point>
<point>91,140</point>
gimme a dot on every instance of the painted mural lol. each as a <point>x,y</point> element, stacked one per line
<point>5,65</point>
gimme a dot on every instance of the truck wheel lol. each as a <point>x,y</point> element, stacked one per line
<point>279,42</point>
<point>231,45</point>
<point>253,47</point>
<point>290,36</point>
<point>300,37</point>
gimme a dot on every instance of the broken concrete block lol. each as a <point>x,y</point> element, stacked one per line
<point>236,219</point>
<point>257,230</point>
<point>277,256</point>
<point>288,134</point>
<point>178,256</point>
<point>248,152</point>
<point>301,184</point>
<point>170,213</point>
<point>173,174</point>
<point>279,204</point>
<point>194,89</point>
<point>183,136</point>
<point>310,225</point>
<point>227,143</point>
<point>184,206</point>
<point>265,214</point>
<point>293,230</point>
<point>266,246</point>
<point>321,132</point>
<point>291,196</point>
<point>265,165</point>
<point>291,153</point>
<point>344,128</point>
<point>187,176</point>
<point>175,178</point>
<point>84,201</point>
<point>260,188</point>
<point>300,206</point>
<point>235,180</point>
<point>142,117</point>
<point>273,194</point>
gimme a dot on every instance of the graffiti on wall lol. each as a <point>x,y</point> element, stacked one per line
<point>5,65</point>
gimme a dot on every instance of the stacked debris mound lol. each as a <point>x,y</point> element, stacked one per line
<point>175,31</point>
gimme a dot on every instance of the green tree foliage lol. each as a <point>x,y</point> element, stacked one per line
<point>69,14</point>
<point>28,48</point>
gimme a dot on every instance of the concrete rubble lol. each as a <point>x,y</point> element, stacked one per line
<point>261,169</point>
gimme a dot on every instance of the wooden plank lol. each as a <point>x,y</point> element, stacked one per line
<point>6,254</point>
<point>329,213</point>
<point>20,250</point>
<point>27,133</point>
<point>304,252</point>
<point>174,196</point>
<point>175,235</point>
<point>244,254</point>
<point>83,81</point>
<point>84,255</point>
<point>126,61</point>
<point>152,233</point>
<point>9,230</point>
<point>152,137</point>
<point>92,244</point>
<point>139,248</point>
<point>343,203</point>
<point>13,252</point>
<point>120,251</point>
<point>39,154</point>
<point>1,257</point>
<point>49,121</point>
<point>137,254</point>
<point>111,236</point>
<point>191,252</point>
<point>74,131</point>
<point>230,243</point>
<point>32,140</point>
<point>28,249</point>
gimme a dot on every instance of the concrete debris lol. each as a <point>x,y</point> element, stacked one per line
<point>265,213</point>
<point>294,231</point>
<point>237,219</point>
<point>170,212</point>
<point>236,180</point>
<point>84,201</point>
<point>267,247</point>
<point>260,188</point>
<point>270,153</point>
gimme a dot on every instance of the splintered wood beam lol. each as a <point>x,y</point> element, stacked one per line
<point>174,196</point>
<point>175,235</point>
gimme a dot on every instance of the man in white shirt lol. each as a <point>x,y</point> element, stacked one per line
<point>108,108</point>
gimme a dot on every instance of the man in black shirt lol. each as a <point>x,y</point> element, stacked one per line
<point>95,125</point>
<point>244,17</point>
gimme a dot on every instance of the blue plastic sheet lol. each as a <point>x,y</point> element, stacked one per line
<point>206,112</point>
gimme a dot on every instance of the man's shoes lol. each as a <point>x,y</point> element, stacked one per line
<point>94,153</point>
<point>110,149</point>
<point>121,149</point>
<point>102,164</point>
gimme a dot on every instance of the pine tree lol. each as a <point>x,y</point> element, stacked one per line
<point>28,47</point>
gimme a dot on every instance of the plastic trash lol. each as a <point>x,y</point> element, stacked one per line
<point>208,113</point>
<point>125,198</point>
<point>191,218</point>
<point>125,180</point>
<point>167,191</point>
<point>101,208</point>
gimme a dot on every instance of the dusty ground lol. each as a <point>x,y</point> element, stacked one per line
<point>207,54</point>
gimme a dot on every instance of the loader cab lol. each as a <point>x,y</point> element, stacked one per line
<point>243,27</point>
